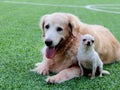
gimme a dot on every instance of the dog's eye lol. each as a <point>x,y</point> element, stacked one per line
<point>47,26</point>
<point>59,29</point>
<point>92,41</point>
<point>84,40</point>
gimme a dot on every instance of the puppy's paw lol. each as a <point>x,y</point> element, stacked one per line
<point>82,73</point>
<point>52,79</point>
<point>41,69</point>
<point>92,77</point>
<point>89,74</point>
<point>100,75</point>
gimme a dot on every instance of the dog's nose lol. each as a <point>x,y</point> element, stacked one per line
<point>88,43</point>
<point>48,42</point>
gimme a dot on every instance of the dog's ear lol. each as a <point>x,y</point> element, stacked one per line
<point>74,24</point>
<point>79,36</point>
<point>41,24</point>
<point>70,28</point>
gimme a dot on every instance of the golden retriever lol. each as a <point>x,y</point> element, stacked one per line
<point>60,35</point>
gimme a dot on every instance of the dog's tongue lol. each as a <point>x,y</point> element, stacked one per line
<point>50,52</point>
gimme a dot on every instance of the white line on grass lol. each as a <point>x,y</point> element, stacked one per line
<point>107,8</point>
<point>115,8</point>
<point>101,8</point>
<point>53,5</point>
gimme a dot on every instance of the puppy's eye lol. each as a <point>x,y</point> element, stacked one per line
<point>92,41</point>
<point>47,26</point>
<point>59,29</point>
<point>84,40</point>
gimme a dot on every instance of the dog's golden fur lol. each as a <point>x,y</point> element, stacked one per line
<point>64,62</point>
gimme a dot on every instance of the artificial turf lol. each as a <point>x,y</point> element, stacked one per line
<point>21,41</point>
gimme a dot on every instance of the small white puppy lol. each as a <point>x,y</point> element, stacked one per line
<point>88,57</point>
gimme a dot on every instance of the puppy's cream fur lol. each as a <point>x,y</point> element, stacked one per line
<point>88,57</point>
<point>64,62</point>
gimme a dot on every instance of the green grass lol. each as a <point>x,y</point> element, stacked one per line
<point>21,41</point>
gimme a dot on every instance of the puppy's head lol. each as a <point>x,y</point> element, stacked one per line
<point>87,40</point>
<point>56,28</point>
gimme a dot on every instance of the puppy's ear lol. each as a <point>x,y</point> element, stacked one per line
<point>74,24</point>
<point>41,24</point>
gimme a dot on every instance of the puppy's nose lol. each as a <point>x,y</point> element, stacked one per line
<point>88,43</point>
<point>48,42</point>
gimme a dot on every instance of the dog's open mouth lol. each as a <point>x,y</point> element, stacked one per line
<point>51,51</point>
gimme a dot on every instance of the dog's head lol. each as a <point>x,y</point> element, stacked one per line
<point>57,27</point>
<point>87,40</point>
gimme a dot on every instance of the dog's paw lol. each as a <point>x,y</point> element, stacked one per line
<point>41,69</point>
<point>82,73</point>
<point>100,75</point>
<point>89,74</point>
<point>37,64</point>
<point>52,79</point>
<point>92,77</point>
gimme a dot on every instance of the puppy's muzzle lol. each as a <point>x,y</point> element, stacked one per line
<point>48,42</point>
<point>88,43</point>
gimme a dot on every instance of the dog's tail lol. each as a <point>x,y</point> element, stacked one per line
<point>105,72</point>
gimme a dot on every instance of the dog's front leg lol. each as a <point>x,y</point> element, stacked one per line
<point>42,68</point>
<point>81,69</point>
<point>64,75</point>
<point>94,67</point>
